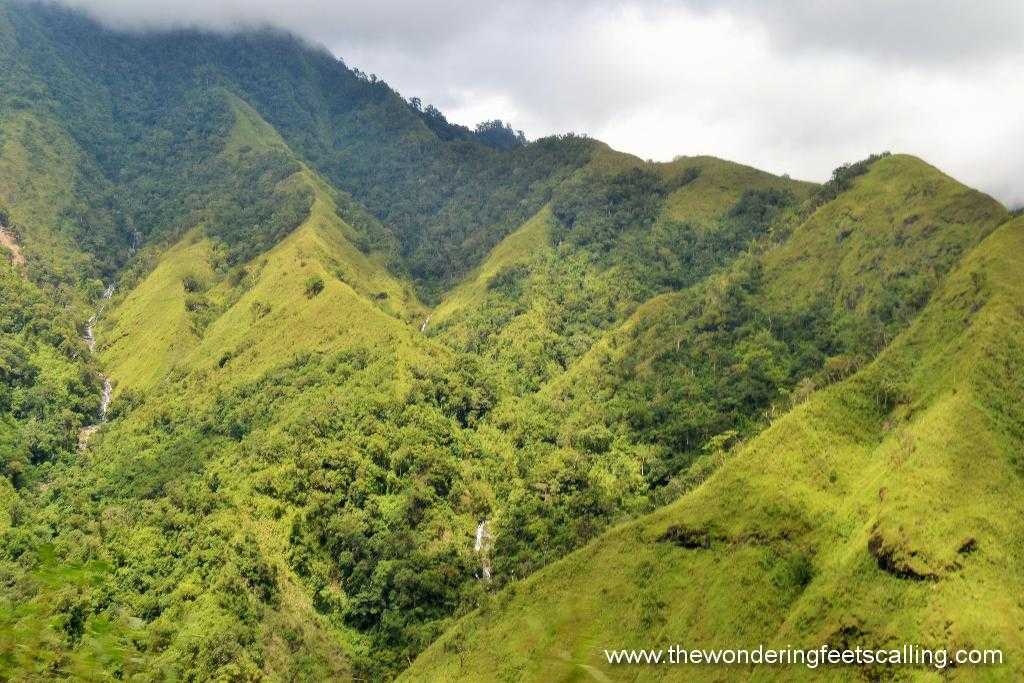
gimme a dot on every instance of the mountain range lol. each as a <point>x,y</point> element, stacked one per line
<point>301,381</point>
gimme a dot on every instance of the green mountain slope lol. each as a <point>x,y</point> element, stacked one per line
<point>635,418</point>
<point>307,474</point>
<point>879,512</point>
<point>449,193</point>
<point>548,291</point>
<point>880,248</point>
<point>197,310</point>
<point>719,185</point>
<point>44,178</point>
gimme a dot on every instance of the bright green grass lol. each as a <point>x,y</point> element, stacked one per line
<point>35,633</point>
<point>719,185</point>
<point>264,315</point>
<point>150,330</point>
<point>902,219</point>
<point>919,449</point>
<point>529,241</point>
<point>276,319</point>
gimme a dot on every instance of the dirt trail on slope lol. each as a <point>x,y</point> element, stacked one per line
<point>7,240</point>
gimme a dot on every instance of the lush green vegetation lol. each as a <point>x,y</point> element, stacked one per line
<point>48,385</point>
<point>448,193</point>
<point>877,512</point>
<point>299,452</point>
<point>624,409</point>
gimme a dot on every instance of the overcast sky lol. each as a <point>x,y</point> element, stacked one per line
<point>791,86</point>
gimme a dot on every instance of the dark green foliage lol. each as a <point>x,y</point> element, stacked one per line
<point>191,284</point>
<point>368,474</point>
<point>596,217</point>
<point>252,211</point>
<point>760,207</point>
<point>710,364</point>
<point>449,194</point>
<point>314,285</point>
<point>842,179</point>
<point>579,305</point>
<point>509,281</point>
<point>499,134</point>
<point>615,221</point>
<point>48,386</point>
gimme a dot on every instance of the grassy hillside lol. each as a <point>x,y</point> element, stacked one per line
<point>181,511</point>
<point>878,512</point>
<point>450,194</point>
<point>195,309</point>
<point>44,178</point>
<point>151,328</point>
<point>520,248</point>
<point>800,309</point>
<point>617,395</point>
<point>307,474</point>
<point>879,249</point>
<point>550,289</point>
<point>720,184</point>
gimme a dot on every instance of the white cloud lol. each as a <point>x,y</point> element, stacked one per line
<point>797,86</point>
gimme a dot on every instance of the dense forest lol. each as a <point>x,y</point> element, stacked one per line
<point>372,373</point>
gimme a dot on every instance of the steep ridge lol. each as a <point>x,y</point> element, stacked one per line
<point>308,476</point>
<point>719,185</point>
<point>839,521</point>
<point>615,409</point>
<point>192,310</point>
<point>543,296</point>
<point>449,193</point>
<point>527,242</point>
<point>150,328</point>
<point>879,250</point>
<point>872,258</point>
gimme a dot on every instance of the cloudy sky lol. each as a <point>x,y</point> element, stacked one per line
<point>792,86</point>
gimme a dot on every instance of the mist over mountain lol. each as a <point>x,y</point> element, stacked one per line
<point>303,379</point>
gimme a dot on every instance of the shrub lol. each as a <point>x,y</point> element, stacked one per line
<point>260,309</point>
<point>314,285</point>
<point>842,179</point>
<point>192,284</point>
<point>509,280</point>
<point>196,303</point>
